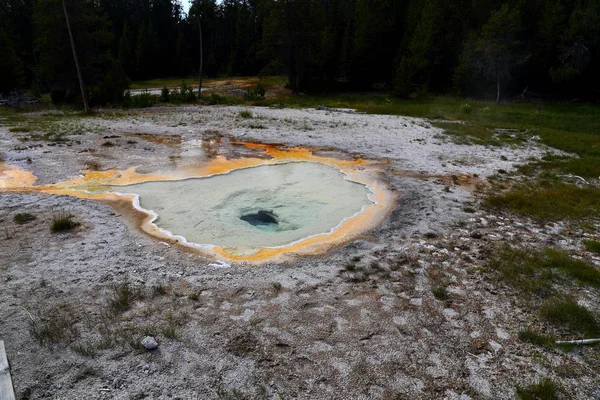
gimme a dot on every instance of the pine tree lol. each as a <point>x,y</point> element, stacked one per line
<point>11,67</point>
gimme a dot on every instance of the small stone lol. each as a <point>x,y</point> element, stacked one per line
<point>476,235</point>
<point>416,301</point>
<point>149,343</point>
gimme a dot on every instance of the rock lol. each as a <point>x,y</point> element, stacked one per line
<point>149,343</point>
<point>476,235</point>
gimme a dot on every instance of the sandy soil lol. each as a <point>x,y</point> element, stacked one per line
<point>359,322</point>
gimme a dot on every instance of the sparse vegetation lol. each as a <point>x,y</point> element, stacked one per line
<point>87,349</point>
<point>276,286</point>
<point>548,202</point>
<point>592,245</point>
<point>536,338</point>
<point>159,290</point>
<point>532,272</point>
<point>169,332</point>
<point>567,313</point>
<point>93,165</point>
<point>62,221</point>
<point>194,296</point>
<point>54,326</point>
<point>536,274</point>
<point>545,390</point>
<point>23,218</point>
<point>247,114</point>
<point>257,126</point>
<point>122,297</point>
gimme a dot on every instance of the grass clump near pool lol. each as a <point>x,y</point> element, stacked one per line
<point>23,218</point>
<point>62,222</point>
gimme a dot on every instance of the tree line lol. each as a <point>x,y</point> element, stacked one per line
<point>547,48</point>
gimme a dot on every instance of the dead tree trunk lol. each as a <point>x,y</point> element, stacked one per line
<point>497,87</point>
<point>201,61</point>
<point>86,107</point>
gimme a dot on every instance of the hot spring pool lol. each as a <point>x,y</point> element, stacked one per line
<point>252,208</point>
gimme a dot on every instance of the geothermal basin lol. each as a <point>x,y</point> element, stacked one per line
<point>288,201</point>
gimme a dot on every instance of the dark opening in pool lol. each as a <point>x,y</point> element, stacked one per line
<point>261,218</point>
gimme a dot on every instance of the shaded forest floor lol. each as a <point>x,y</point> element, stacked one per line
<point>491,255</point>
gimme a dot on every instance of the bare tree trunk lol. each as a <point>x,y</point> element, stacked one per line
<point>86,107</point>
<point>497,87</point>
<point>201,61</point>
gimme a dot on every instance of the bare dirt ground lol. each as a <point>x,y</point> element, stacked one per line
<point>360,322</point>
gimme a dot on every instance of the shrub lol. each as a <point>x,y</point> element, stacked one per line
<point>183,94</point>
<point>465,109</point>
<point>246,114</point>
<point>214,99</point>
<point>164,95</point>
<point>256,93</point>
<point>142,100</point>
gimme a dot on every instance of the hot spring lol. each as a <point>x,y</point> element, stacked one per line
<point>267,206</point>
<point>280,203</point>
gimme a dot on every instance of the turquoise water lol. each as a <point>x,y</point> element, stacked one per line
<point>306,198</point>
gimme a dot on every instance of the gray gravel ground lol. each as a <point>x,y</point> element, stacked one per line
<point>359,322</point>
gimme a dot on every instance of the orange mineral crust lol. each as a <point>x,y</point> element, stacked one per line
<point>103,186</point>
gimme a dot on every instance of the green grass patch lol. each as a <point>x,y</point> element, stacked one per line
<point>23,218</point>
<point>62,222</point>
<point>20,129</point>
<point>440,293</point>
<point>548,202</point>
<point>574,128</point>
<point>592,245</point>
<point>545,390</point>
<point>161,83</point>
<point>525,270</point>
<point>536,338</point>
<point>532,272</point>
<point>566,313</point>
